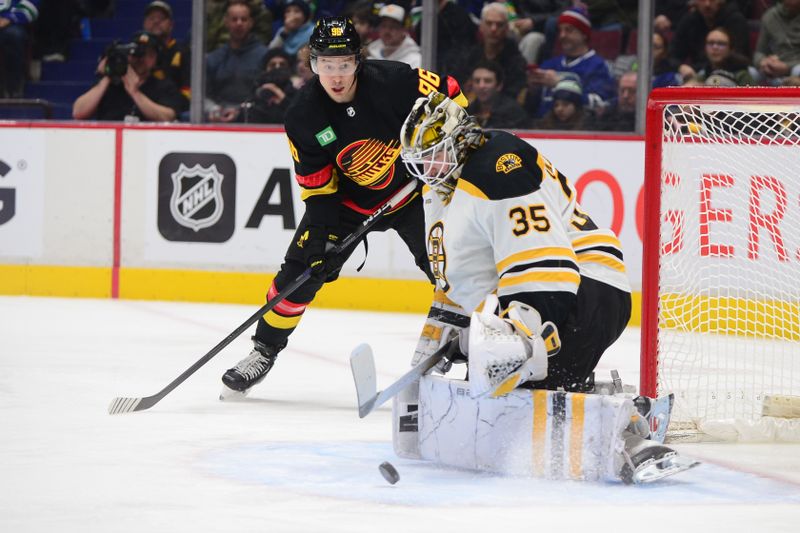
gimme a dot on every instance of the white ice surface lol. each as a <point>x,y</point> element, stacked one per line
<point>294,456</point>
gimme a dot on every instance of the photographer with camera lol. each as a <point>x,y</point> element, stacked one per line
<point>126,89</point>
<point>274,90</point>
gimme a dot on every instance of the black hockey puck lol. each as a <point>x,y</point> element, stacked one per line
<point>389,472</point>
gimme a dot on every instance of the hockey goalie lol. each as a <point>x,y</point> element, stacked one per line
<point>531,292</point>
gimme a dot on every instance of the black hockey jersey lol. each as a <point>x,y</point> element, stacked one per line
<point>349,154</point>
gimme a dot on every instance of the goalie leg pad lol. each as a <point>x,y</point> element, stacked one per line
<point>550,434</point>
<point>405,422</point>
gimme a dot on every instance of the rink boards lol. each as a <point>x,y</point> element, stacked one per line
<point>197,213</point>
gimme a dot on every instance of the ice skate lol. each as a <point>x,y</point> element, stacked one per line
<point>251,370</point>
<point>646,461</point>
<point>657,412</point>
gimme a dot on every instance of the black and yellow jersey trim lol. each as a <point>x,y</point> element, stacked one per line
<point>505,167</point>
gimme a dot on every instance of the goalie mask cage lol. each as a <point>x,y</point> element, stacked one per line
<point>721,265</point>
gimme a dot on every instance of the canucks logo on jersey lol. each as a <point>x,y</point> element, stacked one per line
<point>369,162</point>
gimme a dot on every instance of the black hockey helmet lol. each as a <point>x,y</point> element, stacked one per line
<point>335,36</point>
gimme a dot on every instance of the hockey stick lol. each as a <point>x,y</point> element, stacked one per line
<point>362,364</point>
<point>128,405</point>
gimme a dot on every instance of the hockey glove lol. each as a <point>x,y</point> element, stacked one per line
<point>315,242</point>
<point>446,320</point>
<point>505,352</point>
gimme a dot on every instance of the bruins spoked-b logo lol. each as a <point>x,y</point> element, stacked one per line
<point>196,197</point>
<point>508,162</point>
<point>437,258</point>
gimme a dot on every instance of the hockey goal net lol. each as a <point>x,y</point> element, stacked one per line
<point>721,266</point>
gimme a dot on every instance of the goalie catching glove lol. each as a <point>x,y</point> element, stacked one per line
<point>506,352</point>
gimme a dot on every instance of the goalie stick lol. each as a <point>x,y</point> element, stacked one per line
<point>362,364</point>
<point>128,405</point>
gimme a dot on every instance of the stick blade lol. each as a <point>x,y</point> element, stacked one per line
<point>362,364</point>
<point>129,405</point>
<point>124,405</point>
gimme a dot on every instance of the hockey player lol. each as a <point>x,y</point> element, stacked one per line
<point>342,130</point>
<point>504,225</point>
<point>501,218</point>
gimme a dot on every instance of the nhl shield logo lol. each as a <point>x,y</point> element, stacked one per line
<point>196,197</point>
<point>196,200</point>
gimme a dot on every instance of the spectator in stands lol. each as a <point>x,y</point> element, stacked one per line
<point>15,16</point>
<point>778,47</point>
<point>274,90</point>
<point>58,22</point>
<point>231,70</point>
<point>496,45</point>
<point>537,27</point>
<point>574,32</point>
<point>791,81</point>
<point>719,78</point>
<point>393,41</point>
<point>97,8</point>
<point>302,67</point>
<point>668,14</point>
<point>173,57</point>
<point>612,14</point>
<point>455,32</point>
<point>665,69</point>
<point>217,33</point>
<point>331,8</point>
<point>136,94</point>
<point>567,112</point>
<point>721,57</point>
<point>620,115</point>
<point>365,21</point>
<point>490,106</point>
<point>296,29</point>
<point>473,7</point>
<point>688,43</point>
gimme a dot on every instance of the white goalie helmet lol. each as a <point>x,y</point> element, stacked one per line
<point>435,137</point>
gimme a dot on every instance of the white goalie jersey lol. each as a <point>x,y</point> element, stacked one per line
<point>513,225</point>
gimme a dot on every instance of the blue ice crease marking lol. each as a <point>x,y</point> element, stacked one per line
<point>349,470</point>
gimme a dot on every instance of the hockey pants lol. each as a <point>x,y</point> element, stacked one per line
<point>275,327</point>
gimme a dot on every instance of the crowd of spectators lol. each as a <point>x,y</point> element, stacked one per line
<point>524,64</point>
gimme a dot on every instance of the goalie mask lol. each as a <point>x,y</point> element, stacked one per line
<point>436,136</point>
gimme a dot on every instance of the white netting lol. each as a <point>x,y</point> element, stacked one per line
<point>729,272</point>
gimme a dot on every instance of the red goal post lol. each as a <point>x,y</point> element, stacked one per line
<point>721,263</point>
